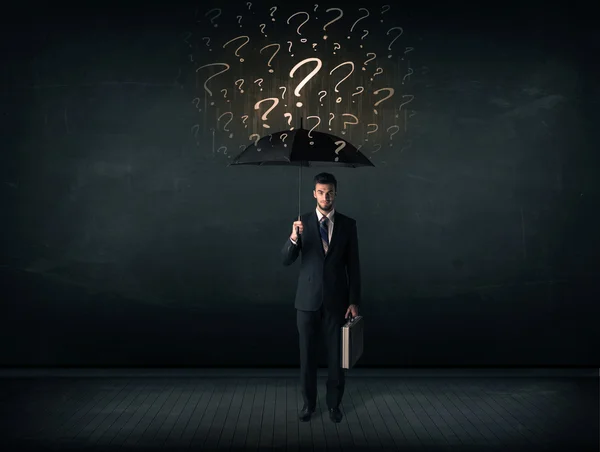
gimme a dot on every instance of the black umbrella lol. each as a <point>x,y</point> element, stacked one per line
<point>300,148</point>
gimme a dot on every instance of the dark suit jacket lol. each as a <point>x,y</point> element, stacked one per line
<point>332,279</point>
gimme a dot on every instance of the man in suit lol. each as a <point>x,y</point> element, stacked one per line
<point>328,290</point>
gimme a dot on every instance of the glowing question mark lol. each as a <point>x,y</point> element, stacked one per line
<point>283,136</point>
<point>371,131</point>
<point>214,75</point>
<point>290,48</point>
<point>370,59</point>
<point>316,6</point>
<point>364,36</point>
<point>244,119</point>
<point>289,116</point>
<point>307,78</point>
<point>384,10</point>
<point>225,96</point>
<point>314,127</point>
<point>298,29</point>
<point>260,82</point>
<point>341,145</point>
<point>238,49</point>
<point>249,5</point>
<point>240,85</point>
<point>377,72</point>
<point>314,46</point>
<point>207,42</point>
<point>212,19</point>
<point>239,18</point>
<point>334,20</point>
<point>359,19</point>
<point>275,53</point>
<point>361,89</point>
<point>265,115</point>
<point>390,90</point>
<point>284,90</point>
<point>397,130</point>
<point>339,99</point>
<point>349,123</point>
<point>336,46</point>
<point>257,138</point>
<point>408,74</point>
<point>399,34</point>
<point>322,96</point>
<point>227,123</point>
<point>262,29</point>
<point>273,9</point>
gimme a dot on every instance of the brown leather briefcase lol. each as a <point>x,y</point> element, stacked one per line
<point>352,341</point>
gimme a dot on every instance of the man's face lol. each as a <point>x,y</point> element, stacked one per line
<point>325,196</point>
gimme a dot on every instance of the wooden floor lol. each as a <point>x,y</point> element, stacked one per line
<point>260,413</point>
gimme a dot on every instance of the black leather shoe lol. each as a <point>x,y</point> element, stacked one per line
<point>335,414</point>
<point>305,413</point>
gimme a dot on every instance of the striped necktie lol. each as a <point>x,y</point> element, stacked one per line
<point>324,234</point>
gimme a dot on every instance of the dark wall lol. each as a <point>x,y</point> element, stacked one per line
<point>126,239</point>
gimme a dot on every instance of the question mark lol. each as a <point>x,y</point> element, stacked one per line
<point>322,96</point>
<point>283,136</point>
<point>262,29</point>
<point>307,78</point>
<point>196,128</point>
<point>377,149</point>
<point>339,99</point>
<point>239,18</point>
<point>409,142</point>
<point>390,90</point>
<point>244,119</point>
<point>273,9</point>
<point>227,123</point>
<point>370,59</point>
<point>384,10</point>
<point>316,6</point>
<point>407,102</point>
<point>275,53</point>
<point>334,20</point>
<point>331,119</point>
<point>341,145</point>
<point>314,46</point>
<point>364,36</point>
<point>359,19</point>
<point>371,131</point>
<point>290,48</point>
<point>298,29</point>
<point>224,149</point>
<point>214,75</point>
<point>289,116</point>
<point>351,123</point>
<point>257,138</point>
<point>397,130</point>
<point>377,72</point>
<point>249,5</point>
<point>388,33</point>
<point>358,92</point>
<point>260,82</point>
<point>336,46</point>
<point>408,74</point>
<point>264,117</point>
<point>240,85</point>
<point>315,126</point>
<point>212,19</point>
<point>225,96</point>
<point>284,90</point>
<point>188,35</point>
<point>238,49</point>
<point>207,42</point>
<point>197,99</point>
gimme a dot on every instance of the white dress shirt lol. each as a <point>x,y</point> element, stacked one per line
<point>330,217</point>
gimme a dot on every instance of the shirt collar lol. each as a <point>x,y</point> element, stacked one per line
<point>330,215</point>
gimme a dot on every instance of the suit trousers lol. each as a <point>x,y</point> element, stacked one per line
<point>311,324</point>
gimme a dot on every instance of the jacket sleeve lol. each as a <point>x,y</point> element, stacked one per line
<point>291,251</point>
<point>353,267</point>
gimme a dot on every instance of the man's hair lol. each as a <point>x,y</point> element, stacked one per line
<point>326,178</point>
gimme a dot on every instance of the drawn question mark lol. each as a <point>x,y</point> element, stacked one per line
<point>239,18</point>
<point>244,119</point>
<point>240,85</point>
<point>273,9</point>
<point>195,130</point>
<point>399,34</point>
<point>298,29</point>
<point>339,99</point>
<point>207,42</point>
<point>249,5</point>
<point>275,53</point>
<point>377,150</point>
<point>334,20</point>
<point>361,89</point>
<point>407,102</point>
<point>290,48</point>
<point>316,6</point>
<point>227,123</point>
<point>349,123</point>
<point>224,150</point>
<point>260,82</point>
<point>364,36</point>
<point>214,75</point>
<point>331,119</point>
<point>391,93</point>
<point>336,46</point>
<point>371,131</point>
<point>314,46</point>
<point>212,19</point>
<point>283,136</point>
<point>197,99</point>
<point>378,71</point>
<point>408,49</point>
<point>264,117</point>
<point>262,29</point>
<point>322,96</point>
<point>284,90</point>
<point>314,127</point>
<point>394,133</point>
<point>289,116</point>
<point>409,142</point>
<point>225,96</point>
<point>359,19</point>
<point>384,10</point>
<point>238,49</point>
<point>256,140</point>
<point>408,74</point>
<point>188,35</point>
<point>341,145</point>
<point>370,59</point>
<point>307,78</point>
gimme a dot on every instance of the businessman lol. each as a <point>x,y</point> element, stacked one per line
<point>328,290</point>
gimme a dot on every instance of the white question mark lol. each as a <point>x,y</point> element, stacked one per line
<point>298,29</point>
<point>273,9</point>
<point>214,75</point>
<point>336,46</point>
<point>407,102</point>
<point>339,99</point>
<point>307,78</point>
<point>359,19</point>
<point>227,123</point>
<point>272,56</point>
<point>284,90</point>
<point>331,119</point>
<point>408,74</point>
<point>371,131</point>
<point>316,6</point>
<point>225,96</point>
<point>290,48</point>
<point>351,123</point>
<point>207,42</point>
<point>364,36</point>
<point>260,82</point>
<point>289,116</point>
<point>361,88</point>
<point>238,49</point>
<point>377,149</point>
<point>257,138</point>
<point>195,130</point>
<point>249,5</point>
<point>315,126</point>
<point>262,29</point>
<point>341,145</point>
<point>390,90</point>
<point>239,18</point>
<point>244,119</point>
<point>283,136</point>
<point>370,59</point>
<point>240,85</point>
<point>322,96</point>
<point>334,20</point>
<point>197,99</point>
<point>212,19</point>
<point>399,34</point>
<point>188,35</point>
<point>384,10</point>
<point>397,130</point>
<point>378,71</point>
<point>224,149</point>
<point>265,115</point>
